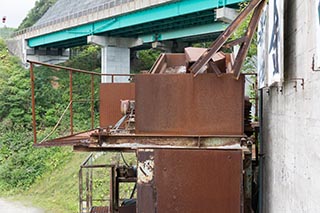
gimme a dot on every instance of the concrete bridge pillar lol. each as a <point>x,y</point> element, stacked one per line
<point>115,55</point>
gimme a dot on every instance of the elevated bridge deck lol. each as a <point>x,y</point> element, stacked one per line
<point>66,26</point>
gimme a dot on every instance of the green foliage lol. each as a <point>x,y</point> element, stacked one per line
<point>145,59</point>
<point>6,32</point>
<point>250,64</point>
<point>57,190</point>
<point>41,6</point>
<point>14,91</point>
<point>85,58</point>
<point>21,164</point>
<point>52,92</point>
<point>202,45</point>
<point>242,29</point>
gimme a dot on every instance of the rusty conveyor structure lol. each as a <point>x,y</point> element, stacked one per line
<point>189,110</point>
<point>196,60</point>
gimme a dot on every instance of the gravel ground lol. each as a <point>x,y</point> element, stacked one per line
<point>16,207</point>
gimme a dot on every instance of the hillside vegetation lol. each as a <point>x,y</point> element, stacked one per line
<point>41,6</point>
<point>6,32</point>
<point>20,163</point>
<point>48,177</point>
<point>24,168</point>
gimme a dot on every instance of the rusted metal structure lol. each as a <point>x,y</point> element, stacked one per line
<point>185,120</point>
<point>178,184</point>
<point>207,100</point>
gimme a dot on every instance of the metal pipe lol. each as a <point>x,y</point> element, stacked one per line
<point>33,103</point>
<point>247,180</point>
<point>71,104</point>
<point>256,114</point>
<point>96,166</point>
<point>87,191</point>
<point>92,101</point>
<point>83,100</point>
<point>90,182</point>
<point>261,153</point>
<point>133,190</point>
<point>77,70</point>
<point>80,191</point>
<point>86,160</point>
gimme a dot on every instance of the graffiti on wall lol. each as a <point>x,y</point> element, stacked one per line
<point>270,45</point>
<point>273,49</point>
<point>262,48</point>
<point>275,42</point>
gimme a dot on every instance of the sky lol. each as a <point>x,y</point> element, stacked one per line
<point>15,11</point>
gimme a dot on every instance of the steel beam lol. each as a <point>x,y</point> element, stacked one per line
<point>222,39</point>
<point>162,12</point>
<point>248,38</point>
<point>185,32</point>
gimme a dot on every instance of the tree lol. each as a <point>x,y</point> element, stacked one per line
<point>36,13</point>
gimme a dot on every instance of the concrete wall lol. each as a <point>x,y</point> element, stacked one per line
<point>17,47</point>
<point>291,120</point>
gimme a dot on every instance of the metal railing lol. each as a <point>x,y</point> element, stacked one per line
<point>71,93</point>
<point>88,198</point>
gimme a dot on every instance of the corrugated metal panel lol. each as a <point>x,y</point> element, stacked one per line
<point>110,96</point>
<point>182,104</point>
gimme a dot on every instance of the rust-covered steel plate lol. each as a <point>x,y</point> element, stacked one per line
<point>110,96</point>
<point>190,181</point>
<point>183,105</point>
<point>100,209</point>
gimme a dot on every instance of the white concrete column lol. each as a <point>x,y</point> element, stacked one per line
<point>115,56</point>
<point>115,60</point>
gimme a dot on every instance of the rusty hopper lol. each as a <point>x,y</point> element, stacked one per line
<point>170,63</point>
<point>184,105</point>
<point>171,101</point>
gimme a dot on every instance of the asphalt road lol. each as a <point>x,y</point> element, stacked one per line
<point>15,207</point>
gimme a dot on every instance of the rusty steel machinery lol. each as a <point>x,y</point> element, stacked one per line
<point>188,122</point>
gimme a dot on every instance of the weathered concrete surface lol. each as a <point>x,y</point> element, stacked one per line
<point>13,207</point>
<point>18,47</point>
<point>292,121</point>
<point>115,56</point>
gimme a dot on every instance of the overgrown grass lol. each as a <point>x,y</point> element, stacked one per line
<point>46,177</point>
<point>57,191</point>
